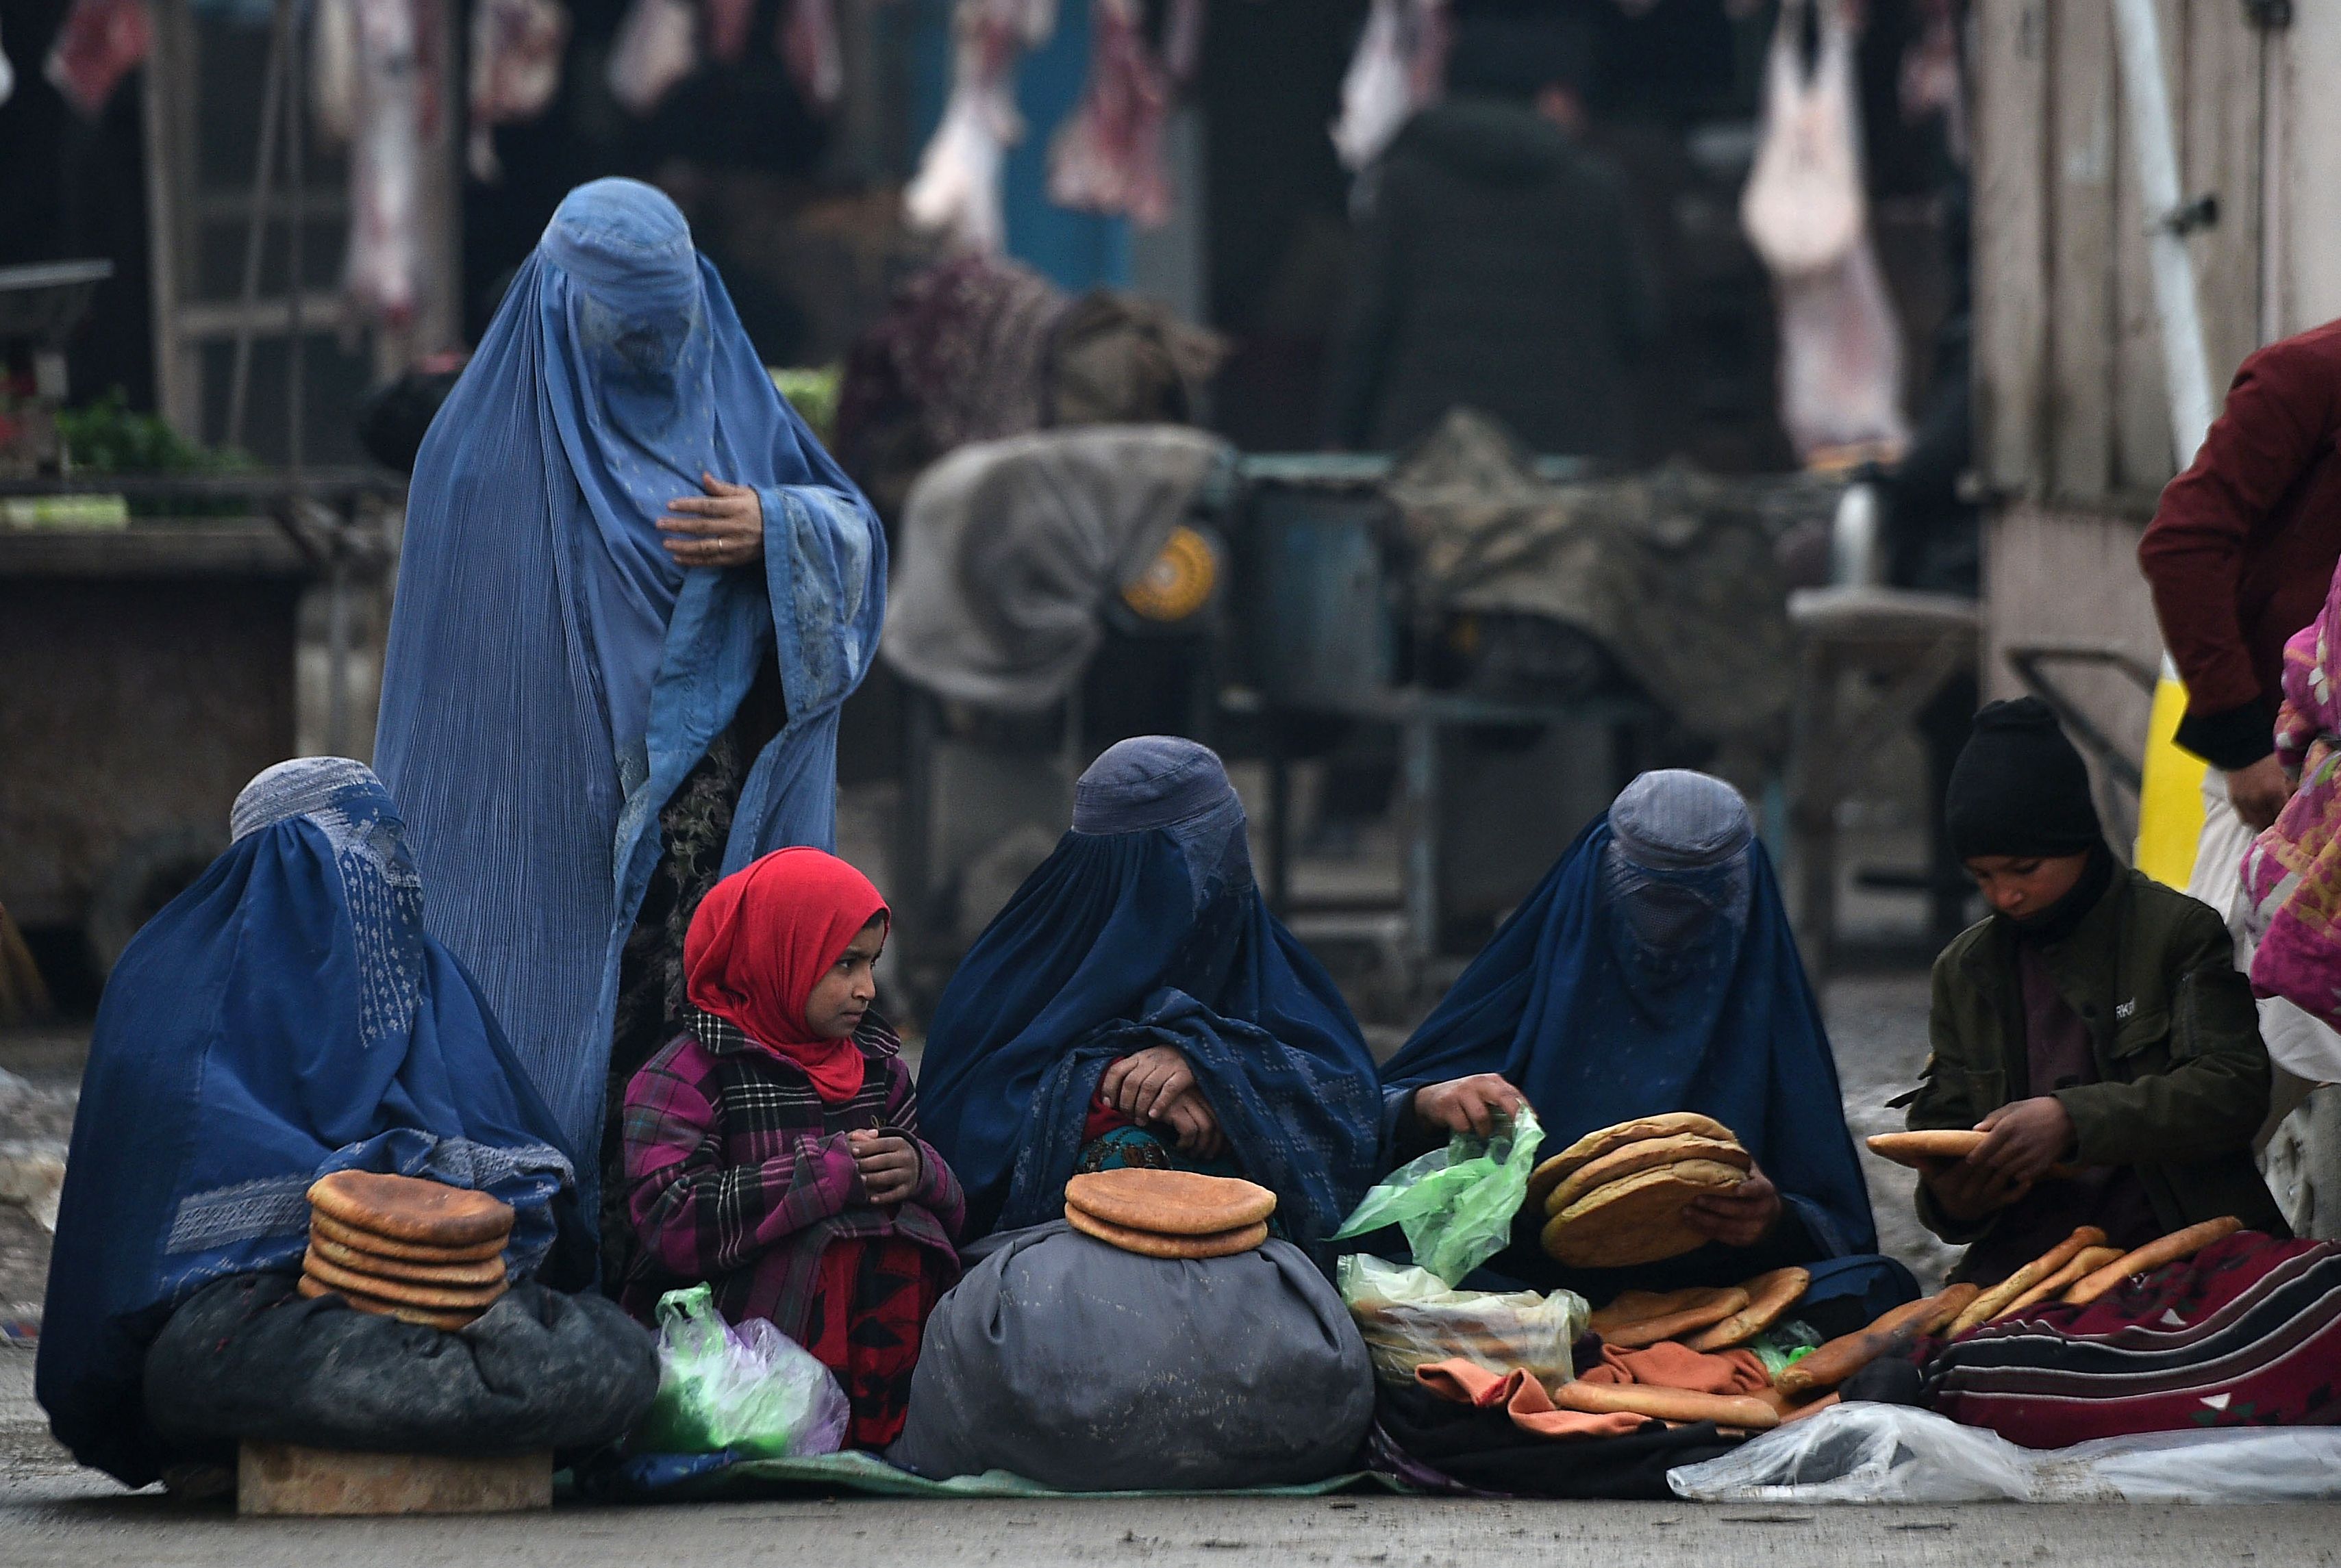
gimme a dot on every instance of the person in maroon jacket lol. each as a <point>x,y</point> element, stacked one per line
<point>2240,555</point>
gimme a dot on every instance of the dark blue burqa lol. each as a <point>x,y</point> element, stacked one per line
<point>1599,1020</point>
<point>1150,933</point>
<point>283,1017</point>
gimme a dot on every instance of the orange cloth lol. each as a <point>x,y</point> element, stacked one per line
<point>1672,1365</point>
<point>1521,1396</point>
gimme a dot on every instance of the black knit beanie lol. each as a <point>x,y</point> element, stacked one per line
<point>2019,788</point>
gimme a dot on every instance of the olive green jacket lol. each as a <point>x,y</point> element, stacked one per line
<point>2184,1078</point>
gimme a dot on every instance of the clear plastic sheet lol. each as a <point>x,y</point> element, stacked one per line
<point>750,1390</point>
<point>1409,1318</point>
<point>1894,1454</point>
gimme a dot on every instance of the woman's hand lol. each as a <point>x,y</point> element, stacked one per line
<point>1143,1086</point>
<point>1190,1116</point>
<point>1969,1193</point>
<point>1472,1105</point>
<point>889,1164</point>
<point>2026,1139</point>
<point>725,526</point>
<point>1738,1216</point>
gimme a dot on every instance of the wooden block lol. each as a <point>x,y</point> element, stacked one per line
<point>282,1480</point>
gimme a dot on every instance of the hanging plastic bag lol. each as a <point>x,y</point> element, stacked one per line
<point>1455,1205</point>
<point>1409,1319</point>
<point>1894,1454</point>
<point>751,1390</point>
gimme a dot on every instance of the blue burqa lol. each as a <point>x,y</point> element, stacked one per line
<point>283,1017</point>
<point>553,674</point>
<point>1659,974</point>
<point>1145,928</point>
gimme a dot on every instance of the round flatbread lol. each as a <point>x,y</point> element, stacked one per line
<point>1170,1203</point>
<point>1556,1169</point>
<point>407,1209</point>
<point>1642,1306</point>
<point>432,1298</point>
<point>1913,1148</point>
<point>1641,1156</point>
<point>447,1322</point>
<point>482,1271</point>
<point>1148,1244</point>
<point>322,1223</point>
<point>1636,1219</point>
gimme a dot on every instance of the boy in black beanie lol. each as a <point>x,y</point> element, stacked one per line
<point>2094,1027</point>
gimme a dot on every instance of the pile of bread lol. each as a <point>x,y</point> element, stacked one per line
<point>419,1251</point>
<point>1615,1197</point>
<point>1170,1214</point>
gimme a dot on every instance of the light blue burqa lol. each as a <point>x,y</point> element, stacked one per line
<point>553,674</point>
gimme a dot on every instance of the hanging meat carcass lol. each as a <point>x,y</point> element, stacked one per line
<point>101,42</point>
<point>809,48</point>
<point>386,162</point>
<point>8,77</point>
<point>1805,214</point>
<point>1107,157</point>
<point>516,48</point>
<point>658,46</point>
<point>1400,66</point>
<point>956,191</point>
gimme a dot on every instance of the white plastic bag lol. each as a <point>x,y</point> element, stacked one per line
<point>1894,1454</point>
<point>749,1389</point>
<point>1410,1318</point>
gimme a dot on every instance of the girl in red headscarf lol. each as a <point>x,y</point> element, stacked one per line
<point>773,1150</point>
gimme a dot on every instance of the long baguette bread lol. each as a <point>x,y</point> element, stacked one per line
<point>1769,1295</point>
<point>2087,1261</point>
<point>1742,1410</point>
<point>1992,1302</point>
<point>1673,1324</point>
<point>1893,1334</point>
<point>2178,1245</point>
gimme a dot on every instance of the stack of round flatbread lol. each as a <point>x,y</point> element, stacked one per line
<point>420,1251</point>
<point>1616,1197</point>
<point>1170,1214</point>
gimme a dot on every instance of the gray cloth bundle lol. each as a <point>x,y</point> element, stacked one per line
<point>1088,1368</point>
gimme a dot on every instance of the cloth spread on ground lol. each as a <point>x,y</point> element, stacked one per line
<point>249,1358</point>
<point>1144,928</point>
<point>2244,542</point>
<point>2247,1333</point>
<point>718,1477</point>
<point>741,1175</point>
<point>1082,1365</point>
<point>1621,990</point>
<point>285,1016</point>
<point>1485,1449</point>
<point>552,675</point>
<point>763,939</point>
<point>2292,873</point>
<point>1011,549</point>
<point>1672,572</point>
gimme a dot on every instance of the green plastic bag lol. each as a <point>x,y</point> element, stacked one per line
<point>749,1389</point>
<point>1456,1205</point>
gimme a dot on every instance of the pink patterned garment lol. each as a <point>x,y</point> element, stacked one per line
<point>2292,873</point>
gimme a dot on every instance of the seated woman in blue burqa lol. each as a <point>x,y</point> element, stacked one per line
<point>1135,1004</point>
<point>1653,971</point>
<point>287,1016</point>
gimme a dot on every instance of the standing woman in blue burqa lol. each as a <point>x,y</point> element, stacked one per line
<point>1654,970</point>
<point>633,594</point>
<point>1136,1004</point>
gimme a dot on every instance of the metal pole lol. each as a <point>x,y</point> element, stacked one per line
<point>296,191</point>
<point>263,179</point>
<point>2137,32</point>
<point>337,648</point>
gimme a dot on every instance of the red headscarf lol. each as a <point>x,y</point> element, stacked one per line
<point>761,940</point>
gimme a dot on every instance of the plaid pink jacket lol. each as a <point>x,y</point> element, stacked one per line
<point>737,1175</point>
